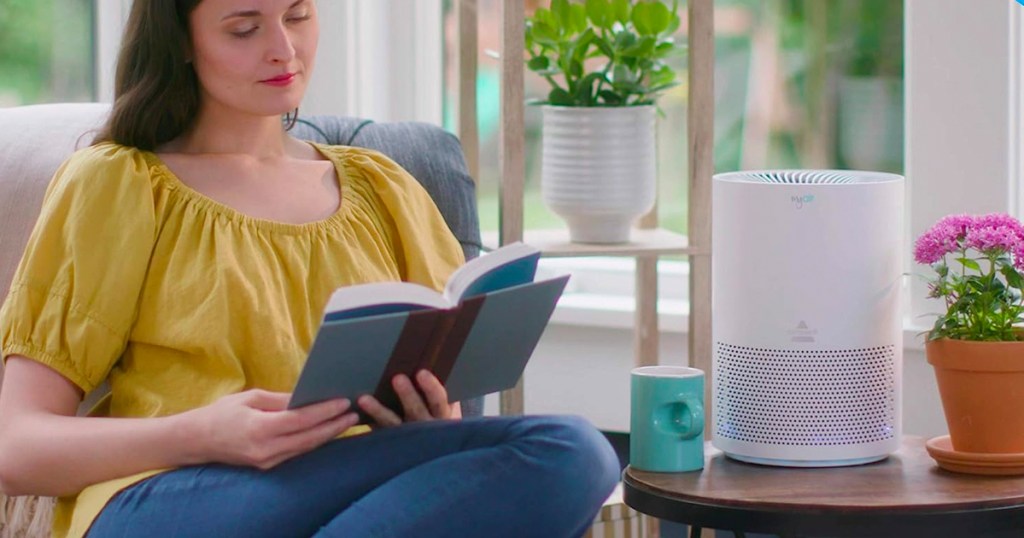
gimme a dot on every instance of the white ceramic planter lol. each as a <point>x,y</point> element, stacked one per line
<point>598,169</point>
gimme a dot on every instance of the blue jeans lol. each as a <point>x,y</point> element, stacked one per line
<point>496,476</point>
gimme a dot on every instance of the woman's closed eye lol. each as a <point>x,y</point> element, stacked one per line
<point>245,33</point>
<point>250,31</point>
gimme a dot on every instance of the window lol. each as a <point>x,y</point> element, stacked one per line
<point>46,51</point>
<point>799,84</point>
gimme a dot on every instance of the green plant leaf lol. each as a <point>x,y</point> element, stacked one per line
<point>1013,277</point>
<point>560,97</point>
<point>624,40</point>
<point>600,13</point>
<point>663,87</point>
<point>582,50</point>
<point>544,34</point>
<point>659,17</point>
<point>631,37</point>
<point>620,11</point>
<point>673,26</point>
<point>561,11</point>
<point>575,68</point>
<point>641,49</point>
<point>605,46</point>
<point>611,98</point>
<point>585,89</point>
<point>539,63</point>
<point>544,15</point>
<point>969,263</point>
<point>641,18</point>
<point>622,75</point>
<point>578,15</point>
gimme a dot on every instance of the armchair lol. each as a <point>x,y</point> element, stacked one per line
<point>36,139</point>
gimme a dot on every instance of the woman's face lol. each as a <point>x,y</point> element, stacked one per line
<point>254,56</point>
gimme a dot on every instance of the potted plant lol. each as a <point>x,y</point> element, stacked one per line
<point>976,347</point>
<point>605,63</point>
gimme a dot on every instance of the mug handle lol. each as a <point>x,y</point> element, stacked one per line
<point>696,411</point>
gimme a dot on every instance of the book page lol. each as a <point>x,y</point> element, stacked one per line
<point>510,265</point>
<point>381,298</point>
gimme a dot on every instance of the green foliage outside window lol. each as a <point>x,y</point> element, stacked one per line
<point>46,51</point>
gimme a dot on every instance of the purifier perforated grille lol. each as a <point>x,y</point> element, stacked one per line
<point>813,177</point>
<point>806,398</point>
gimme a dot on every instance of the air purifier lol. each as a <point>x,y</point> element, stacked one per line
<point>807,332</point>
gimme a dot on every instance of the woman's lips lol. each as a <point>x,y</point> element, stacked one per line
<point>281,80</point>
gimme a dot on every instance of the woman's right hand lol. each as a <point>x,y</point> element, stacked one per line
<point>255,428</point>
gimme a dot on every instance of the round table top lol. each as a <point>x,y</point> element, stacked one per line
<point>906,491</point>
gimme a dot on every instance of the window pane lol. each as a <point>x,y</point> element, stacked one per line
<point>46,51</point>
<point>798,84</point>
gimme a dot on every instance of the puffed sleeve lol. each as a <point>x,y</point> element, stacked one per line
<point>74,295</point>
<point>425,248</point>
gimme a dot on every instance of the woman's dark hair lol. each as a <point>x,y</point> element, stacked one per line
<point>156,91</point>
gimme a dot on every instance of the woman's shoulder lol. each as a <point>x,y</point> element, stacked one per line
<point>105,154</point>
<point>356,156</point>
<point>102,171</point>
<point>369,166</point>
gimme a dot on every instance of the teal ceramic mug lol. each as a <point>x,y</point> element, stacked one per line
<point>666,419</point>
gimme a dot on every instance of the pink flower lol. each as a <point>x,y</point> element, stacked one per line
<point>1000,220</point>
<point>961,223</point>
<point>1018,257</point>
<point>1001,239</point>
<point>940,240</point>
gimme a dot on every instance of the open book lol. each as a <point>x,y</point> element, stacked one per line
<point>476,336</point>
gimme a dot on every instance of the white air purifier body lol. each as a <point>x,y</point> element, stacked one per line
<point>807,322</point>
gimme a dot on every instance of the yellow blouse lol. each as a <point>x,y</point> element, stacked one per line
<point>133,277</point>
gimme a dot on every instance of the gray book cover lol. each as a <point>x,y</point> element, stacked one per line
<point>350,357</point>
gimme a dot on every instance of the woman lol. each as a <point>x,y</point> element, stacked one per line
<point>185,258</point>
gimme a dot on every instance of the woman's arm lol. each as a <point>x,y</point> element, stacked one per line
<point>46,450</point>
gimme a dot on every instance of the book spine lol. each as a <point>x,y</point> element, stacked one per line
<point>449,345</point>
<point>407,355</point>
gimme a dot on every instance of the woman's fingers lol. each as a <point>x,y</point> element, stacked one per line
<point>309,439</point>
<point>437,396</point>
<point>431,405</point>
<point>296,420</point>
<point>264,400</point>
<point>412,404</point>
<point>378,412</point>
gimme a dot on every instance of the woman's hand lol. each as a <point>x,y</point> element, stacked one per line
<point>436,406</point>
<point>255,428</point>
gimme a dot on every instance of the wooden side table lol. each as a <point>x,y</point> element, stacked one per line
<point>904,495</point>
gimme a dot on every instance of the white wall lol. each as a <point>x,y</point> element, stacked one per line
<point>963,115</point>
<point>379,59</point>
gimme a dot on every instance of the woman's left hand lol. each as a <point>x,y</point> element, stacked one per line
<point>435,407</point>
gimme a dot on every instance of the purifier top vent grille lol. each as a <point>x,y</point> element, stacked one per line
<point>835,397</point>
<point>807,177</point>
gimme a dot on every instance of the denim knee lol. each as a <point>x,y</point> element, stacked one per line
<point>581,454</point>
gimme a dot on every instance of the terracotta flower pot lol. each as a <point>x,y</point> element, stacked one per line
<point>982,390</point>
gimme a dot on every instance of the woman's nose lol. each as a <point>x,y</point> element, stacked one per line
<point>279,46</point>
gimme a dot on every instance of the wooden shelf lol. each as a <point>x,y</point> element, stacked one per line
<point>645,242</point>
